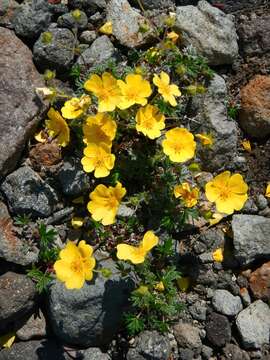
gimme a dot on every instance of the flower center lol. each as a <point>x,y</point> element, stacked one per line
<point>76,266</point>
<point>225,193</point>
<point>165,89</point>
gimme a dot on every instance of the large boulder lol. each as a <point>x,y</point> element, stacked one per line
<point>20,109</point>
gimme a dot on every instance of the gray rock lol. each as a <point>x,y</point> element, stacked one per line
<point>73,180</point>
<point>88,36</point>
<point>233,352</point>
<point>253,324</point>
<point>125,211</point>
<point>250,207</point>
<point>198,310</point>
<point>214,120</point>
<point>251,238</point>
<point>45,349</point>
<point>7,12</point>
<point>154,4</point>
<point>261,201</point>
<point>91,315</point>
<point>127,22</point>
<point>31,18</point>
<point>94,354</point>
<point>12,248</point>
<point>227,304</point>
<point>57,52</point>
<point>89,6</point>
<point>187,336</point>
<point>211,32</point>
<point>213,238</point>
<point>218,329</point>
<point>150,345</point>
<point>73,22</point>
<point>17,298</point>
<point>35,327</point>
<point>207,352</point>
<point>186,354</point>
<point>27,193</point>
<point>20,109</point>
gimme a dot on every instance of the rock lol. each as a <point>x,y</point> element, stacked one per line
<point>125,211</point>
<point>253,324</point>
<point>154,4</point>
<point>261,202</point>
<point>225,303</point>
<point>126,23</point>
<point>7,12</point>
<point>233,352</point>
<point>71,21</point>
<point>45,349</point>
<point>254,115</point>
<point>28,194</point>
<point>218,329</point>
<point>207,352</point>
<point>231,6</point>
<point>20,109</point>
<point>35,327</point>
<point>259,282</point>
<point>245,296</point>
<point>17,298</point>
<point>250,207</point>
<point>212,32</point>
<point>213,118</point>
<point>251,238</point>
<point>254,35</point>
<point>12,248</point>
<point>89,6</point>
<point>187,336</point>
<point>45,155</point>
<point>55,49</point>
<point>150,345</point>
<point>98,53</point>
<point>213,238</point>
<point>198,310</point>
<point>91,315</point>
<point>94,354</point>
<point>73,180</point>
<point>31,19</point>
<point>88,36</point>
<point>186,354</point>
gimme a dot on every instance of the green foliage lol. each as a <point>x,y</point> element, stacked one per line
<point>42,279</point>
<point>48,252</point>
<point>233,112</point>
<point>22,220</point>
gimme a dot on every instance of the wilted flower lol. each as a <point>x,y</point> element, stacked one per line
<point>104,203</point>
<point>77,222</point>
<point>106,28</point>
<point>75,107</point>
<point>206,139</point>
<point>76,265</point>
<point>172,36</point>
<point>57,127</point>
<point>150,121</point>
<point>167,90</point>
<point>137,254</point>
<point>228,192</point>
<point>179,145</point>
<point>246,145</point>
<point>100,128</point>
<point>188,195</point>
<point>98,158</point>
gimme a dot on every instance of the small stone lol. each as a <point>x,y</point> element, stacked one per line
<point>207,352</point>
<point>73,180</point>
<point>250,207</point>
<point>70,21</point>
<point>259,282</point>
<point>91,7</point>
<point>45,155</point>
<point>254,116</point>
<point>253,324</point>
<point>233,352</point>
<point>218,329</point>
<point>125,211</point>
<point>245,296</point>
<point>251,238</point>
<point>94,354</point>
<point>7,11</point>
<point>261,202</point>
<point>35,327</point>
<point>212,33</point>
<point>155,4</point>
<point>28,194</point>
<point>187,336</point>
<point>17,298</point>
<point>88,36</point>
<point>227,304</point>
<point>150,345</point>
<point>213,238</point>
<point>198,310</point>
<point>56,52</point>
<point>206,258</point>
<point>127,24</point>
<point>186,354</point>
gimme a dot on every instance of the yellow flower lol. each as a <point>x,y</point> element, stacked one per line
<point>137,254</point>
<point>184,283</point>
<point>179,145</point>
<point>246,145</point>
<point>100,128</point>
<point>77,222</point>
<point>160,286</point>
<point>75,265</point>
<point>106,89</point>
<point>98,158</point>
<point>75,107</point>
<point>57,127</point>
<point>40,136</point>
<point>106,28</point>
<point>7,340</point>
<point>267,191</point>
<point>105,202</point>
<point>150,121</point>
<point>135,90</point>
<point>216,218</point>
<point>172,36</point>
<point>165,89</point>
<point>206,139</point>
<point>188,195</point>
<point>218,255</point>
<point>228,192</point>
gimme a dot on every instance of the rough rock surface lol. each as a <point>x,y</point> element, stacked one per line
<point>218,330</point>
<point>17,298</point>
<point>254,115</point>
<point>154,4</point>
<point>91,315</point>
<point>19,106</point>
<point>126,23</point>
<point>212,32</point>
<point>12,248</point>
<point>71,22</point>
<point>27,193</point>
<point>7,12</point>
<point>94,354</point>
<point>187,336</point>
<point>253,324</point>
<point>227,304</point>
<point>251,238</point>
<point>35,327</point>
<point>259,282</point>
